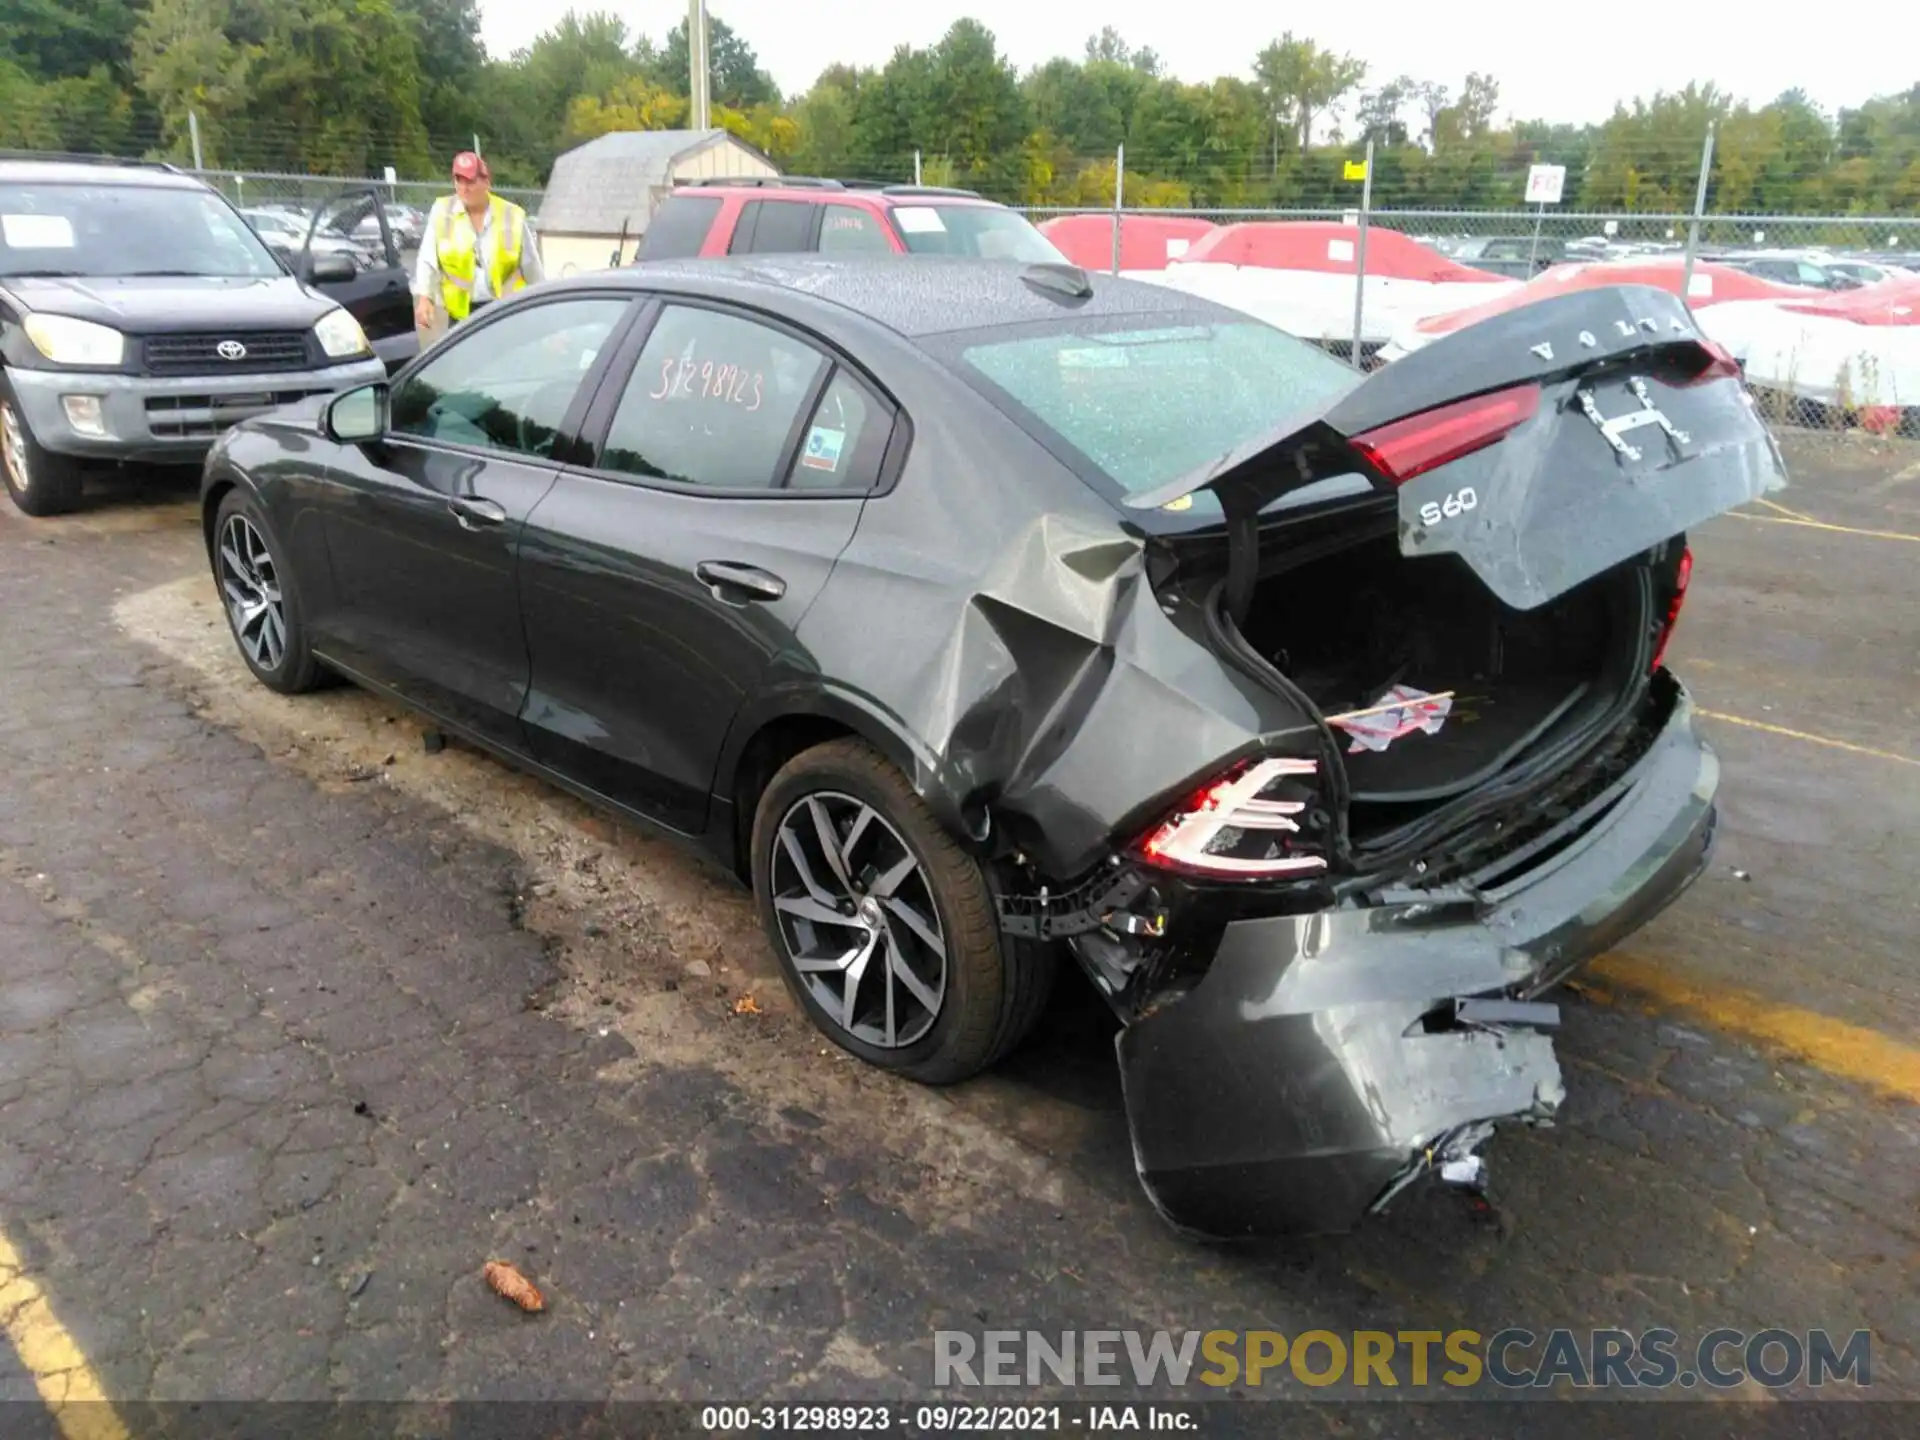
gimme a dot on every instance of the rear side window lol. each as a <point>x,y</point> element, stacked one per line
<point>679,227</point>
<point>1144,407</point>
<point>774,227</point>
<point>844,441</point>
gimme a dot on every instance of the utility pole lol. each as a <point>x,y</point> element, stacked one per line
<point>700,71</point>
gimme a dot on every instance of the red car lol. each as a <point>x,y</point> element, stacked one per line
<point>789,214</point>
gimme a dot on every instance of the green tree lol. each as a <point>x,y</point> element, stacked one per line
<point>1381,116</point>
<point>453,65</point>
<point>48,39</point>
<point>1302,81</point>
<point>736,79</point>
<point>187,64</point>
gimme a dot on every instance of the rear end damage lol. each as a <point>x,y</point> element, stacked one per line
<point>1328,954</point>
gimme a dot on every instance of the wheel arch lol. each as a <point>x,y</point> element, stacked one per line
<point>218,482</point>
<point>782,725</point>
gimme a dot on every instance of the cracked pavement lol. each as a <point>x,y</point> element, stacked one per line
<point>289,1047</point>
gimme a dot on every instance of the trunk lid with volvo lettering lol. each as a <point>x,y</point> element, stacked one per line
<point>1466,567</point>
<point>1542,446</point>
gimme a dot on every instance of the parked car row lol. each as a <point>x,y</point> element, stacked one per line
<point>987,618</point>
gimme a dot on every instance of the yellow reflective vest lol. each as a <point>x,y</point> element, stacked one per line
<point>457,247</point>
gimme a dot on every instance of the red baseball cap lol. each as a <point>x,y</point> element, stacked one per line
<point>469,166</point>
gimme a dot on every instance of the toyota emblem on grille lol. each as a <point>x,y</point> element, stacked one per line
<point>231,350</point>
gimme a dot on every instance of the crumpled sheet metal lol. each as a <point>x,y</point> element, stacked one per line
<point>1295,1083</point>
<point>1058,689</point>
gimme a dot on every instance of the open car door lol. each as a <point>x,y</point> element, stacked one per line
<point>373,283</point>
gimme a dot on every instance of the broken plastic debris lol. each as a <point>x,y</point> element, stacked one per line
<point>506,1280</point>
<point>1401,711</point>
<point>746,1005</point>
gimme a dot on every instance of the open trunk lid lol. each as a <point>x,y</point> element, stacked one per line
<point>1543,446</point>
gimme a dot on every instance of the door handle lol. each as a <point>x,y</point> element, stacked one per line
<point>724,576</point>
<point>473,513</point>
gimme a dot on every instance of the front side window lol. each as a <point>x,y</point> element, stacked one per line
<point>985,232</point>
<point>507,385</point>
<point>1143,407</point>
<point>115,231</point>
<point>847,228</point>
<point>713,402</point>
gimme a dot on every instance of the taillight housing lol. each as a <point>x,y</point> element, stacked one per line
<point>1683,576</point>
<point>1252,823</point>
<point>1719,364</point>
<point>1402,449</point>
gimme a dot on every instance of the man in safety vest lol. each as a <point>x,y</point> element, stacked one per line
<point>478,248</point>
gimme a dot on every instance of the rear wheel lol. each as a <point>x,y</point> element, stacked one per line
<point>886,930</point>
<point>262,605</point>
<point>39,482</point>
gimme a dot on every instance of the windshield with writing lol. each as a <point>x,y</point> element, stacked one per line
<point>984,232</point>
<point>122,230</point>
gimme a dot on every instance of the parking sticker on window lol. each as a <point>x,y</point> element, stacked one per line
<point>919,220</point>
<point>37,232</point>
<point>823,448</point>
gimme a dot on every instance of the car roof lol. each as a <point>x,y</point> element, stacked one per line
<point>923,295</point>
<point>80,171</point>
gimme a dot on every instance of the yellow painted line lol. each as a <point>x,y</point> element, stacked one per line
<point>1851,1052</point>
<point>1828,741</point>
<point>1776,506</point>
<point>60,1371</point>
<point>1822,525</point>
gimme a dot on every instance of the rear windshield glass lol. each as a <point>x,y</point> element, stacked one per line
<point>985,232</point>
<point>1143,407</point>
<point>118,230</point>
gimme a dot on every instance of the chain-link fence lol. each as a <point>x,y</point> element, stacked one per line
<point>1820,309</point>
<point>246,188</point>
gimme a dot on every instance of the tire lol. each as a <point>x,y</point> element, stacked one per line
<point>248,570</point>
<point>39,482</point>
<point>990,989</point>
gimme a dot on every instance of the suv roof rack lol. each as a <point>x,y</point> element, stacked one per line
<point>891,189</point>
<point>75,157</point>
<point>821,182</point>
<point>777,182</point>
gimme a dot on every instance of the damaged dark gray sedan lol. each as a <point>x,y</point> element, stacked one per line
<point>981,616</point>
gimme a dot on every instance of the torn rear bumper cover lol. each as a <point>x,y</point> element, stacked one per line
<point>1325,1060</point>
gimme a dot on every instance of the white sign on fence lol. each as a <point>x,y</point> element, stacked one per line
<point>1544,184</point>
<point>393,176</point>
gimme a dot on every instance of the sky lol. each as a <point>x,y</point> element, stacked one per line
<point>1569,64</point>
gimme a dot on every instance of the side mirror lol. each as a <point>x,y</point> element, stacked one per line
<point>331,268</point>
<point>356,416</point>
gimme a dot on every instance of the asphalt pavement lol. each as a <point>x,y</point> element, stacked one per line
<point>300,1025</point>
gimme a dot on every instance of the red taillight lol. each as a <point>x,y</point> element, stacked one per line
<point>1681,578</point>
<point>1244,825</point>
<point>1720,364</point>
<point>1405,448</point>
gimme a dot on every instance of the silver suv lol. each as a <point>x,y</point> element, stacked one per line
<point>140,316</point>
